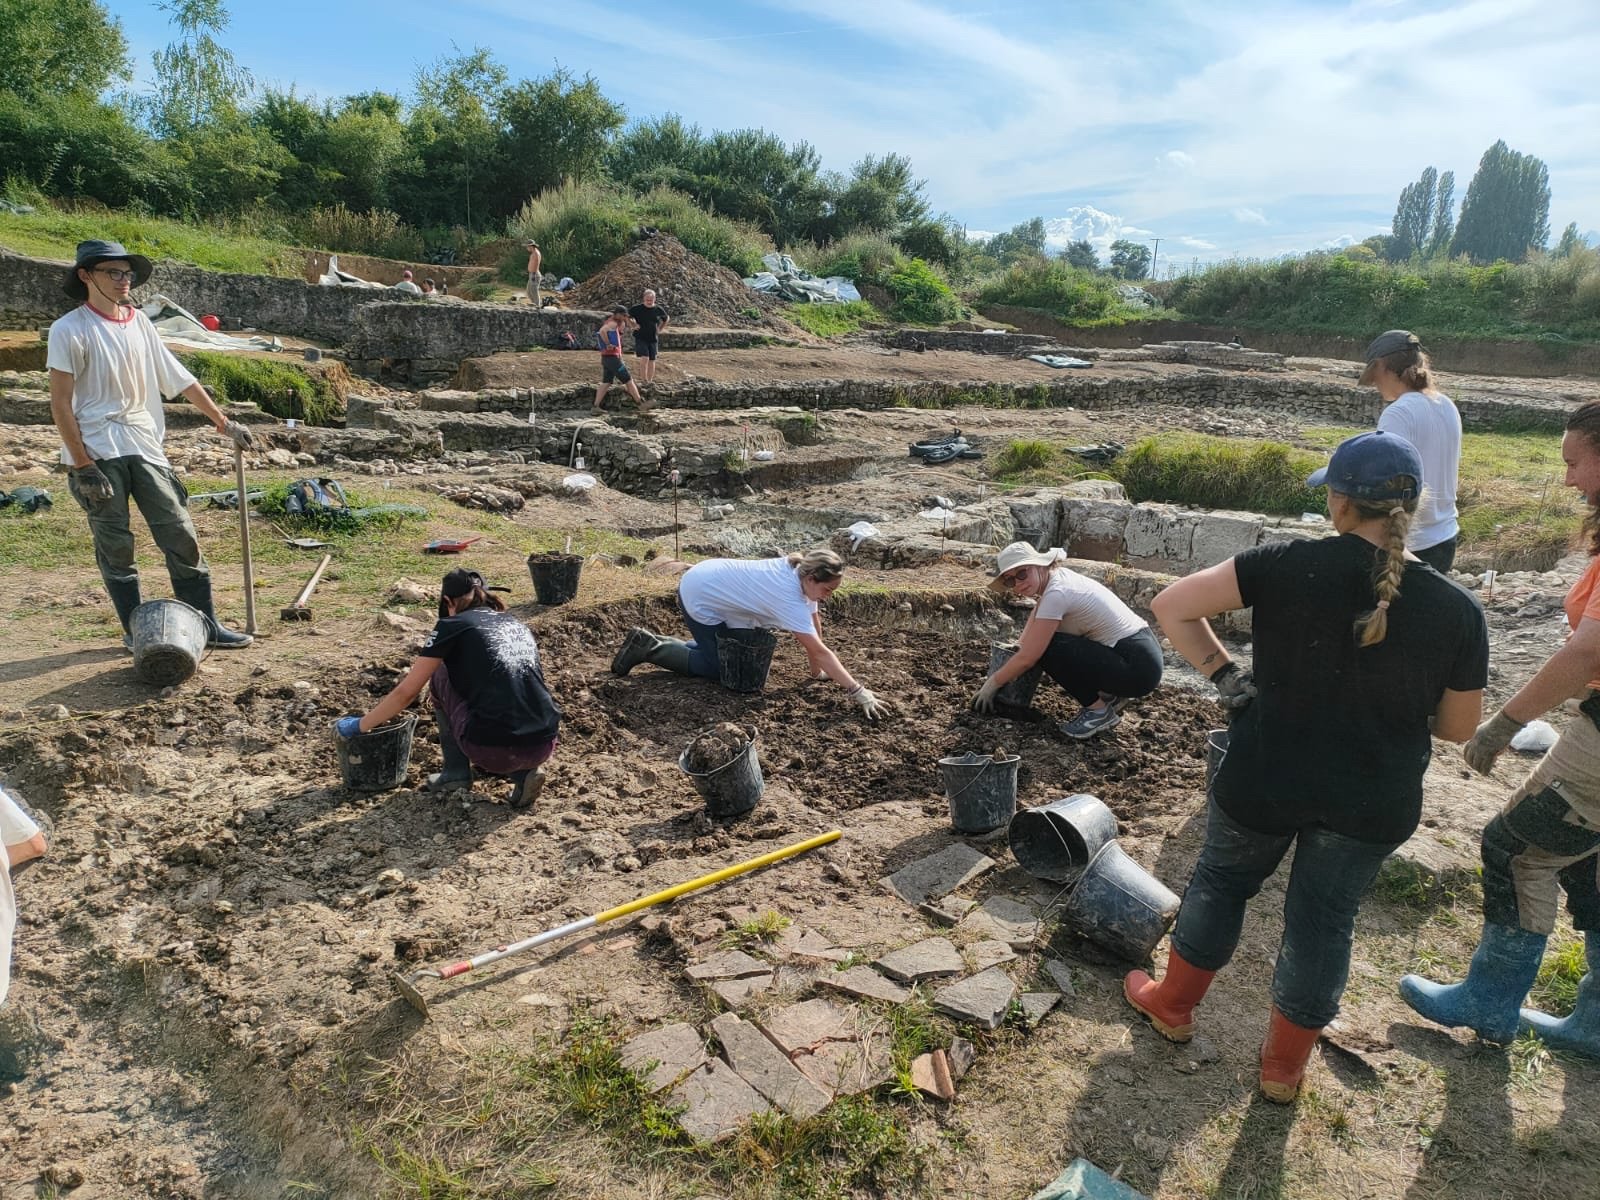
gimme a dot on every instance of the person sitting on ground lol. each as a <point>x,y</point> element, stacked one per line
<point>719,594</point>
<point>1361,650</point>
<point>1547,837</point>
<point>649,319</point>
<point>612,368</point>
<point>481,668</point>
<point>25,842</point>
<point>1417,411</point>
<point>428,288</point>
<point>407,284</point>
<point>1098,649</point>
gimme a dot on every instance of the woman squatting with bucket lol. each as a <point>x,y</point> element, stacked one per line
<point>481,668</point>
<point>1099,650</point>
<point>722,594</point>
<point>1547,837</point>
<point>1360,648</point>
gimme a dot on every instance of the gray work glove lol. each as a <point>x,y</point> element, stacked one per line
<point>92,483</point>
<point>983,702</point>
<point>1236,687</point>
<point>1493,736</point>
<point>242,438</point>
<point>869,704</point>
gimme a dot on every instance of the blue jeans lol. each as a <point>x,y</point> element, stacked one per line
<point>703,649</point>
<point>1329,874</point>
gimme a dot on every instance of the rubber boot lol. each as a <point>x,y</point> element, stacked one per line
<point>1169,1004</point>
<point>1503,969</point>
<point>1284,1056</point>
<point>671,654</point>
<point>124,595</point>
<point>1579,1033</point>
<point>525,787</point>
<point>196,593</point>
<point>457,771</point>
<point>636,648</point>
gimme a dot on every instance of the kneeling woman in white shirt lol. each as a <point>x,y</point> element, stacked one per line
<point>729,593</point>
<point>1091,643</point>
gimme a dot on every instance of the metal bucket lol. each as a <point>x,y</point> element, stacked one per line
<point>1120,905</point>
<point>1057,841</point>
<point>377,761</point>
<point>732,789</point>
<point>169,640</point>
<point>1020,691</point>
<point>982,790</point>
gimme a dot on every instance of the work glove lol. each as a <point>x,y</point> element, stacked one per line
<point>348,727</point>
<point>241,435</point>
<point>869,704</point>
<point>92,483</point>
<point>1236,687</point>
<point>984,701</point>
<point>1493,736</point>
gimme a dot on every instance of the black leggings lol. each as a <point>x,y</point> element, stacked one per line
<point>1441,556</point>
<point>1085,668</point>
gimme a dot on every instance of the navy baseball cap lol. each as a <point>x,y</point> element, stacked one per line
<point>1365,466</point>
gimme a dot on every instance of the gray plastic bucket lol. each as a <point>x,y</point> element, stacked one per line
<point>734,788</point>
<point>1057,841</point>
<point>744,658</point>
<point>377,761</point>
<point>555,577</point>
<point>169,640</point>
<point>1019,692</point>
<point>982,791</point>
<point>1216,751</point>
<point>1120,905</point>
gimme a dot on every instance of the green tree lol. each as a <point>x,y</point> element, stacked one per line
<point>453,139</point>
<point>1414,216</point>
<point>1444,215</point>
<point>647,149</point>
<point>1081,254</point>
<point>940,240</point>
<point>1570,242</point>
<point>1507,209</point>
<point>1129,260</point>
<point>556,130</point>
<point>59,47</point>
<point>198,81</point>
<point>1023,240</point>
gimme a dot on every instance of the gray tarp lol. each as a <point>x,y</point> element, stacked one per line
<point>178,326</point>
<point>783,278</point>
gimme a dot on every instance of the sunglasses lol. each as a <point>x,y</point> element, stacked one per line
<point>115,275</point>
<point>1011,578</point>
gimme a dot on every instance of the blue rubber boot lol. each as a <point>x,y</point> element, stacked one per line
<point>1503,969</point>
<point>1579,1033</point>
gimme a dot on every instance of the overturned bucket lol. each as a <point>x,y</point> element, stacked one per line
<point>555,577</point>
<point>169,640</point>
<point>732,789</point>
<point>377,761</point>
<point>982,790</point>
<point>744,658</point>
<point>1120,905</point>
<point>1020,691</point>
<point>1216,751</point>
<point>1056,842</point>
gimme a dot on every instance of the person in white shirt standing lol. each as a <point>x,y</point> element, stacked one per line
<point>108,373</point>
<point>1417,411</point>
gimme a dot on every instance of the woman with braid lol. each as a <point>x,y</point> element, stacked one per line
<point>1547,838</point>
<point>1361,649</point>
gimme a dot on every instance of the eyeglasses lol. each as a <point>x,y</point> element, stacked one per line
<point>1011,578</point>
<point>114,275</point>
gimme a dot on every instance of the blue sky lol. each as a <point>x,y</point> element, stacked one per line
<point>1225,128</point>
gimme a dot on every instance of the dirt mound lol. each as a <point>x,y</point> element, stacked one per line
<point>695,291</point>
<point>716,747</point>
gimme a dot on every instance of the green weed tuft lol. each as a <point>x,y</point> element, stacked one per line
<point>757,931</point>
<point>1555,991</point>
<point>1263,477</point>
<point>1024,454</point>
<point>833,320</point>
<point>281,389</point>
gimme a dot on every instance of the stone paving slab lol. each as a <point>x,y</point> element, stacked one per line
<point>767,1069</point>
<point>946,911</point>
<point>938,874</point>
<point>734,992</point>
<point>930,1073</point>
<point>1037,1005</point>
<point>989,954</point>
<point>866,983</point>
<point>807,1024</point>
<point>1005,920</point>
<point>730,964</point>
<point>808,943</point>
<point>716,1102</point>
<point>675,1049</point>
<point>846,1068</point>
<point>1061,975</point>
<point>931,958</point>
<point>981,1000</point>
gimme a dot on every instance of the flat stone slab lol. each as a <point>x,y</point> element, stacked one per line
<point>1005,920</point>
<point>716,1102</point>
<point>981,1000</point>
<point>961,1055</point>
<point>808,1024</point>
<point>989,954</point>
<point>866,983</point>
<point>1061,975</point>
<point>808,943</point>
<point>730,964</point>
<point>930,1074</point>
<point>1037,1005</point>
<point>674,1049</point>
<point>946,911</point>
<point>931,958</point>
<point>938,874</point>
<point>734,992</point>
<point>846,1068</point>
<point>767,1069</point>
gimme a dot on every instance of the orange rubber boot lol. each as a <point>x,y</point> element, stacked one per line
<point>1170,1003</point>
<point>1284,1056</point>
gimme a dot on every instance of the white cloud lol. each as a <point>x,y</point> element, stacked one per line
<point>1249,216</point>
<point>1194,243</point>
<point>1340,242</point>
<point>1175,160</point>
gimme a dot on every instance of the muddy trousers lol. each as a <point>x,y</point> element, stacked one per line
<point>1547,840</point>
<point>451,706</point>
<point>163,502</point>
<point>1329,874</point>
<point>1086,668</point>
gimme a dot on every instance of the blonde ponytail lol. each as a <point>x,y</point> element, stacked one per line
<point>1372,627</point>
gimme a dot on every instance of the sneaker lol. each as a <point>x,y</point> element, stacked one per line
<point>1090,722</point>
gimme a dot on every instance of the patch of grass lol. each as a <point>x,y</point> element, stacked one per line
<point>856,1147</point>
<point>833,320</point>
<point>1408,885</point>
<point>1555,991</point>
<point>756,931</point>
<point>55,233</point>
<point>274,506</point>
<point>1187,468</point>
<point>55,537</point>
<point>584,1073</point>
<point>1528,1059</point>
<point>280,388</point>
<point>1023,454</point>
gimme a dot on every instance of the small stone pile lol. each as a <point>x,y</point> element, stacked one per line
<point>694,290</point>
<point>483,495</point>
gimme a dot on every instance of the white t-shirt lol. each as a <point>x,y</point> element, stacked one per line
<point>764,594</point>
<point>15,826</point>
<point>1433,426</point>
<point>120,371</point>
<point>1086,608</point>
<point>405,285</point>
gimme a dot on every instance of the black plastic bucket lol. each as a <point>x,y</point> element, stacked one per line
<point>1216,751</point>
<point>730,790</point>
<point>1019,692</point>
<point>982,790</point>
<point>555,576</point>
<point>744,658</point>
<point>169,640</point>
<point>1120,905</point>
<point>1057,841</point>
<point>377,761</point>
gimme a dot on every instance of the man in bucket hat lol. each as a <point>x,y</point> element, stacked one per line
<point>108,373</point>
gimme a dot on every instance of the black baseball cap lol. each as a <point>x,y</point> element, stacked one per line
<point>1365,467</point>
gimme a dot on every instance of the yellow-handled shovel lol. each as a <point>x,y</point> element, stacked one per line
<point>407,984</point>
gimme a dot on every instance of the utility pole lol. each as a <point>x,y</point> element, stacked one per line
<point>1155,254</point>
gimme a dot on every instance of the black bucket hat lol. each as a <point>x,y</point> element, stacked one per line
<point>94,252</point>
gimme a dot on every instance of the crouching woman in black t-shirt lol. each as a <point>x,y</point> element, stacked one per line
<point>481,667</point>
<point>1360,650</point>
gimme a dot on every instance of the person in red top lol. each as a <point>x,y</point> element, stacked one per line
<point>1547,837</point>
<point>612,368</point>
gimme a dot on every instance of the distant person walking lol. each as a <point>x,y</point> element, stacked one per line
<point>1417,411</point>
<point>612,368</point>
<point>535,265</point>
<point>407,284</point>
<point>649,319</point>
